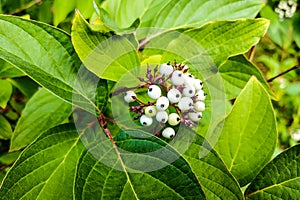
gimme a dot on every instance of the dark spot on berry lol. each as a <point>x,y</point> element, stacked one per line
<point>163,120</point>
<point>178,119</point>
<point>177,95</point>
<point>150,111</point>
<point>199,116</point>
<point>190,104</point>
<point>191,76</point>
<point>162,105</point>
<point>179,75</point>
<point>144,123</point>
<point>191,91</point>
<point>201,83</point>
<point>150,89</point>
<point>171,136</point>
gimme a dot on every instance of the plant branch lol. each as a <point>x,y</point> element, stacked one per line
<point>26,7</point>
<point>284,72</point>
<point>252,52</point>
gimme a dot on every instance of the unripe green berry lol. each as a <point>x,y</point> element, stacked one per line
<point>150,111</point>
<point>174,119</point>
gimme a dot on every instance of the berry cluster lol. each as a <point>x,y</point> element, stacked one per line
<point>177,97</point>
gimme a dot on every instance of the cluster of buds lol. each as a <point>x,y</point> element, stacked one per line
<point>286,9</point>
<point>177,97</point>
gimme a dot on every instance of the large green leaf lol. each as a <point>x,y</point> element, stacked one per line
<point>280,179</point>
<point>42,112</point>
<point>46,54</point>
<point>169,14</point>
<point>107,57</point>
<point>61,9</point>
<point>249,134</point>
<point>46,169</point>
<point>7,70</point>
<point>5,92</point>
<point>236,72</point>
<point>210,45</point>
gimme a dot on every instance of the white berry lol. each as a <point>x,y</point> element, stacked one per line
<point>168,132</point>
<point>195,116</point>
<point>174,119</point>
<point>189,91</point>
<point>198,84</point>
<point>200,95</point>
<point>162,116</point>
<point>185,103</point>
<point>154,92</point>
<point>150,111</point>
<point>166,69</point>
<point>174,95</point>
<point>199,106</point>
<point>162,103</point>
<point>129,96</point>
<point>188,79</point>
<point>177,78</point>
<point>145,120</point>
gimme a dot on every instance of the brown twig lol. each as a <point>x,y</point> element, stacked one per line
<point>284,72</point>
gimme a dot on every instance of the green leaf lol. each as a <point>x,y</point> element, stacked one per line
<point>249,134</point>
<point>296,28</point>
<point>194,13</point>
<point>61,9</point>
<point>5,129</point>
<point>9,158</point>
<point>46,55</point>
<point>209,45</point>
<point>108,57</point>
<point>42,112</point>
<point>5,92</point>
<point>216,181</point>
<point>236,72</point>
<point>9,71</point>
<point>280,179</point>
<point>46,169</point>
<point>26,85</point>
<point>122,13</point>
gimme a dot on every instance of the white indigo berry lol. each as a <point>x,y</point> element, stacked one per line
<point>168,132</point>
<point>199,106</point>
<point>174,119</point>
<point>188,79</point>
<point>185,103</point>
<point>198,84</point>
<point>154,92</point>
<point>129,96</point>
<point>162,103</point>
<point>195,116</point>
<point>150,111</point>
<point>162,116</point>
<point>200,95</point>
<point>166,69</point>
<point>189,91</point>
<point>174,95</point>
<point>145,120</point>
<point>177,78</point>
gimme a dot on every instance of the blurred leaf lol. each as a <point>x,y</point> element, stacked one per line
<point>9,71</point>
<point>296,28</point>
<point>46,169</point>
<point>5,92</point>
<point>86,8</point>
<point>280,179</point>
<point>249,134</point>
<point>278,30</point>
<point>293,89</point>
<point>61,9</point>
<point>26,85</point>
<point>11,115</point>
<point>108,57</point>
<point>236,72</point>
<point>123,13</point>
<point>9,158</point>
<point>42,112</point>
<point>5,129</point>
